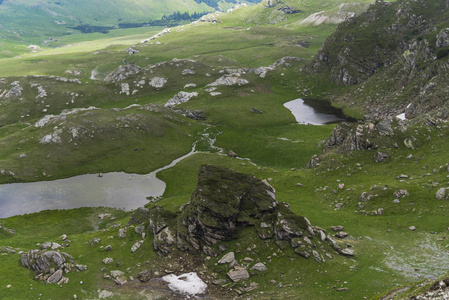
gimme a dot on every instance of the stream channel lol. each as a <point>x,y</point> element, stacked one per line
<point>122,190</point>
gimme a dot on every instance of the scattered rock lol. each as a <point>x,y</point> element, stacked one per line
<point>380,157</point>
<point>108,260</point>
<point>384,128</point>
<point>95,240</point>
<point>337,228</point>
<point>227,258</point>
<point>401,193</point>
<point>341,234</point>
<point>256,111</point>
<point>81,268</point>
<point>232,154</point>
<point>104,216</point>
<point>238,274</point>
<point>145,276</point>
<point>259,267</point>
<point>442,194</point>
<point>157,82</point>
<point>121,233</point>
<point>412,228</point>
<point>108,248</point>
<point>317,256</point>
<point>229,80</point>
<point>136,246</point>
<point>122,73</point>
<point>188,72</point>
<point>179,98</point>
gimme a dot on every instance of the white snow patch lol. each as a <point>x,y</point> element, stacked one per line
<point>188,283</point>
<point>401,117</point>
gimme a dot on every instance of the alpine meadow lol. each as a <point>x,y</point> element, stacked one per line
<point>205,149</point>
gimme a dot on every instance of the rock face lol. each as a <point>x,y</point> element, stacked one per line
<point>223,203</point>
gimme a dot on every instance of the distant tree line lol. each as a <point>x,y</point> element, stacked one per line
<point>90,29</point>
<point>175,19</point>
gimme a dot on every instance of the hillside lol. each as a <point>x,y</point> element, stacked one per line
<point>43,23</point>
<point>396,58</point>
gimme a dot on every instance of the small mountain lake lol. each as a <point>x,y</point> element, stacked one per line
<point>121,190</point>
<point>315,112</point>
<point>115,189</point>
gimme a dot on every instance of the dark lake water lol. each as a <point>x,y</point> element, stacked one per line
<point>315,112</point>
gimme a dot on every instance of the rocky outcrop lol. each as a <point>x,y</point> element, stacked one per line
<point>223,203</point>
<point>348,137</point>
<point>15,91</point>
<point>159,34</point>
<point>122,73</point>
<point>50,266</point>
<point>157,82</point>
<point>229,80</point>
<point>443,38</point>
<point>6,230</point>
<point>179,98</point>
<point>442,194</point>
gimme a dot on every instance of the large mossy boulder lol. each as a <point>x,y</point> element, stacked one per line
<point>223,203</point>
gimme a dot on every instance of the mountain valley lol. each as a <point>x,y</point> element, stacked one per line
<point>264,206</point>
